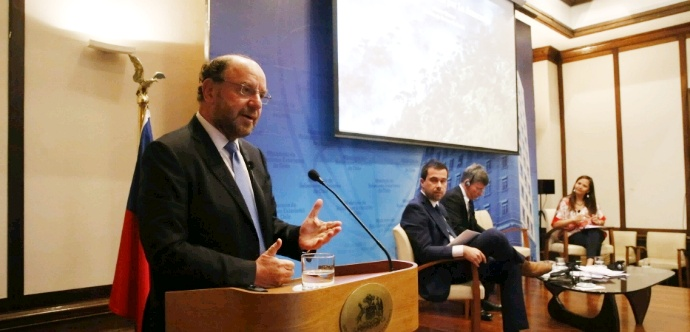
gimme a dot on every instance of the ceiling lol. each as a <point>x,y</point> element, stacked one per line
<point>569,24</point>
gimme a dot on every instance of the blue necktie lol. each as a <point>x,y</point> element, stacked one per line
<point>448,228</point>
<point>245,185</point>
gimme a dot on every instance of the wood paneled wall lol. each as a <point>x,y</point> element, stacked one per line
<point>624,121</point>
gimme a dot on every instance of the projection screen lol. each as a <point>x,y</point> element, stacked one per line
<point>433,72</point>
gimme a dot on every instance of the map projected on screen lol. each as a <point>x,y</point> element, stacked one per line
<point>433,72</point>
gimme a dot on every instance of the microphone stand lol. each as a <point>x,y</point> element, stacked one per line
<point>390,262</point>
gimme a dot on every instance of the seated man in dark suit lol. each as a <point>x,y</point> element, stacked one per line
<point>423,221</point>
<point>459,203</point>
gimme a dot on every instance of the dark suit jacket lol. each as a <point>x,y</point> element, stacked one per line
<point>428,233</point>
<point>429,236</point>
<point>454,201</point>
<point>195,227</point>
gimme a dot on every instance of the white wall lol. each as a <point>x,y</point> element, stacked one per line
<point>4,22</point>
<point>651,133</point>
<point>81,124</point>
<point>653,137</point>
<point>548,128</point>
<point>590,130</point>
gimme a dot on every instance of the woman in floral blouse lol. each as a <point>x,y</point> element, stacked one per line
<point>579,216</point>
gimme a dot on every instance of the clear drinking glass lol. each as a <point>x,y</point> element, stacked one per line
<point>560,261</point>
<point>645,263</point>
<point>318,270</point>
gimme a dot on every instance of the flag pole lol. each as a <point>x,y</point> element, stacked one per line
<point>131,283</point>
<point>144,84</point>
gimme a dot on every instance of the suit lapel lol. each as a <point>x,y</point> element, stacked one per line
<point>437,216</point>
<point>470,215</point>
<point>211,157</point>
<point>463,206</point>
<point>471,220</point>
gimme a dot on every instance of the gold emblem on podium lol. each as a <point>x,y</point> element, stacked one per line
<point>368,308</point>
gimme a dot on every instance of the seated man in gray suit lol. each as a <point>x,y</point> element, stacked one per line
<point>424,222</point>
<point>459,203</point>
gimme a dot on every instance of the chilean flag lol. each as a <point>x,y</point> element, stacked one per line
<point>131,282</point>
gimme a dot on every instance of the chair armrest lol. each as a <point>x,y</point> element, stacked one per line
<point>525,237</point>
<point>681,256</point>
<point>440,261</point>
<point>525,234</point>
<point>553,233</point>
<point>549,239</point>
<point>476,306</point>
<point>566,255</point>
<point>636,250</point>
<point>612,242</point>
<point>475,271</point>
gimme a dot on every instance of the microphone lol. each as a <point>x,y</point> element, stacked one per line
<point>249,163</point>
<point>314,176</point>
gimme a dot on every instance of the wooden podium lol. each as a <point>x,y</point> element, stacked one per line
<point>364,294</point>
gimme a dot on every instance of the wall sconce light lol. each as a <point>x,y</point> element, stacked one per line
<point>111,48</point>
<point>144,84</point>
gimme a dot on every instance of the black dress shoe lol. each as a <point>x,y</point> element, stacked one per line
<point>490,306</point>
<point>486,316</point>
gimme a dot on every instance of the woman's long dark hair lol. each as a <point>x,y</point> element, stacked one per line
<point>590,198</point>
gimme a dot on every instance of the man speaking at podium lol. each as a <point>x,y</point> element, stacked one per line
<point>206,206</point>
<point>424,222</point>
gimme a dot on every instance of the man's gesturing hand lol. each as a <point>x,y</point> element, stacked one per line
<point>271,271</point>
<point>314,233</point>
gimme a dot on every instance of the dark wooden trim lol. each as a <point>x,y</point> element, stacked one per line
<point>575,2</point>
<point>636,41</point>
<point>669,39</point>
<point>15,152</point>
<point>62,302</point>
<point>586,55</point>
<point>546,53</point>
<point>58,306</point>
<point>684,91</point>
<point>561,112</point>
<point>525,11</point>
<point>642,232</point>
<point>569,32</point>
<point>619,135</point>
<point>649,15</point>
<point>547,20</point>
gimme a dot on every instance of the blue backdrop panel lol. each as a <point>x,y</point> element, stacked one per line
<point>293,41</point>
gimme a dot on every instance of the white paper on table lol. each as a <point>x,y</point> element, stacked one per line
<point>586,286</point>
<point>554,268</point>
<point>602,270</point>
<point>593,226</point>
<point>464,237</point>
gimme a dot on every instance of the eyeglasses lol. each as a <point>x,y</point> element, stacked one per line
<point>247,91</point>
